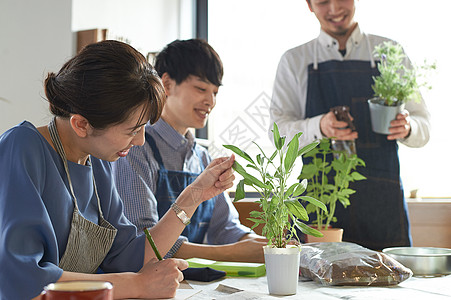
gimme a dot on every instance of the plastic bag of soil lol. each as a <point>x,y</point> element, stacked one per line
<point>349,264</point>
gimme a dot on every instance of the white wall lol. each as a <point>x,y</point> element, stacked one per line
<point>35,39</point>
<point>148,25</point>
<point>39,36</point>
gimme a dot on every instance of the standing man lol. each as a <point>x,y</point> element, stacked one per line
<point>151,177</point>
<point>337,69</point>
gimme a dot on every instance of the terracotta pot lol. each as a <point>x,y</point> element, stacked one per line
<point>329,235</point>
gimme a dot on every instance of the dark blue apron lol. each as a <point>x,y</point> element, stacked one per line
<point>170,185</point>
<point>377,217</point>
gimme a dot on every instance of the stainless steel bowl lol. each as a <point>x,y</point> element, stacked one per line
<point>423,261</point>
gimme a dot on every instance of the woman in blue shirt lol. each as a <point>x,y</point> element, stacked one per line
<point>60,215</point>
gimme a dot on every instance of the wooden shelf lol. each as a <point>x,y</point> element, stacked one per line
<point>86,37</point>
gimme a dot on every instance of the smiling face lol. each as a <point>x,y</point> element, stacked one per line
<point>189,103</point>
<point>335,16</point>
<point>115,141</point>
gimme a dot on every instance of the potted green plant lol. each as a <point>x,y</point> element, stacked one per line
<point>395,86</point>
<point>281,212</point>
<point>329,183</point>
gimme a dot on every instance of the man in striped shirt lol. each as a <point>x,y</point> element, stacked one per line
<point>151,177</point>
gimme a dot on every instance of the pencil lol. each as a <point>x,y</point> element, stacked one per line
<point>152,243</point>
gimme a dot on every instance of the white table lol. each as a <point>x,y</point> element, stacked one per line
<point>256,288</point>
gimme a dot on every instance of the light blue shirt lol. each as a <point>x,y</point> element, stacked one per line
<point>36,213</point>
<point>136,178</point>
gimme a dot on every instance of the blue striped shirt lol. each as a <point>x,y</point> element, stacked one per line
<point>136,177</point>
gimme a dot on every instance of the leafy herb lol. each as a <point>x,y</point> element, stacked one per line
<point>278,199</point>
<point>318,172</point>
<point>396,83</point>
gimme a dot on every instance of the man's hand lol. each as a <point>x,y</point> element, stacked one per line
<point>330,127</point>
<point>400,127</point>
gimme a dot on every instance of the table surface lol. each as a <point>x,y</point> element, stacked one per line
<point>256,288</point>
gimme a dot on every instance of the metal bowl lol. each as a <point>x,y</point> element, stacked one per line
<point>423,261</point>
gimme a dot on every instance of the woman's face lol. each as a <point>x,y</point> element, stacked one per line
<point>115,141</point>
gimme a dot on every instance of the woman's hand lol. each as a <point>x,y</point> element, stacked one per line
<point>215,179</point>
<point>160,279</point>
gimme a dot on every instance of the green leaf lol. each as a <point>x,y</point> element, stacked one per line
<point>277,140</point>
<point>314,202</point>
<point>240,153</point>
<point>239,193</point>
<point>256,221</point>
<point>253,167</point>
<point>292,152</point>
<point>259,159</point>
<point>291,188</point>
<point>344,201</point>
<point>256,214</point>
<point>307,229</point>
<point>357,176</point>
<point>248,177</point>
<point>273,155</point>
<point>301,187</point>
<point>346,192</point>
<point>296,209</point>
<point>308,148</point>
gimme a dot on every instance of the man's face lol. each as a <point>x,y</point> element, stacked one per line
<point>335,16</point>
<point>189,103</point>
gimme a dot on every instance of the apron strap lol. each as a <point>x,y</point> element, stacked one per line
<point>315,54</point>
<point>373,64</point>
<point>151,141</point>
<point>59,148</point>
<point>155,151</point>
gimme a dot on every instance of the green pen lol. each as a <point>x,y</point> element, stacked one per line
<point>152,243</point>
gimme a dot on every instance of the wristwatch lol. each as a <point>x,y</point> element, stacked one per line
<point>181,214</point>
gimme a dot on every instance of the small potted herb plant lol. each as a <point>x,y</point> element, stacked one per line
<point>329,183</point>
<point>281,212</point>
<point>395,86</point>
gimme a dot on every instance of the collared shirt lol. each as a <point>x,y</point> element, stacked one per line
<point>289,97</point>
<point>136,178</point>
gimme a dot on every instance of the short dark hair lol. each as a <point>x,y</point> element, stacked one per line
<point>104,83</point>
<point>182,58</point>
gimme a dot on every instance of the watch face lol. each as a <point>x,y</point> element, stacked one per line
<point>182,216</point>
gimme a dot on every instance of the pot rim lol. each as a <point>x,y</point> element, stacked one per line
<point>289,249</point>
<point>380,101</point>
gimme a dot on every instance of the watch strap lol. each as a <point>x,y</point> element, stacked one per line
<point>181,214</point>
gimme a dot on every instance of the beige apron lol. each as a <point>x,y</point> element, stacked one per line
<point>88,243</point>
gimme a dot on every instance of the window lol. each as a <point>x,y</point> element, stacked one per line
<point>250,36</point>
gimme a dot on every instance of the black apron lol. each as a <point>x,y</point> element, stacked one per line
<point>170,185</point>
<point>377,217</point>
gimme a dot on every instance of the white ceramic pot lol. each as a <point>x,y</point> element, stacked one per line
<point>382,115</point>
<point>282,269</point>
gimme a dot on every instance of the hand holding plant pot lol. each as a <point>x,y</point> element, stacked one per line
<point>279,204</point>
<point>395,86</point>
